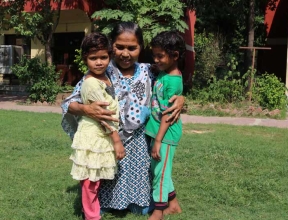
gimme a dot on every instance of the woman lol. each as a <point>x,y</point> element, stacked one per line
<point>132,82</point>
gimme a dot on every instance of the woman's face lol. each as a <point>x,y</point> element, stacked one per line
<point>126,50</point>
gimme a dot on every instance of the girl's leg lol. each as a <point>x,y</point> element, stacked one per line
<point>90,201</point>
<point>173,205</point>
<point>162,181</point>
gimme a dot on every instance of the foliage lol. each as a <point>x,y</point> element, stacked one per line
<point>66,88</point>
<point>226,89</point>
<point>80,63</point>
<point>41,23</point>
<point>208,58</point>
<point>7,9</point>
<point>269,91</point>
<point>238,172</point>
<point>229,18</point>
<point>40,79</point>
<point>152,16</point>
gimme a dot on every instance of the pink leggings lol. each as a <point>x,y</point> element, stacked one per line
<point>90,201</point>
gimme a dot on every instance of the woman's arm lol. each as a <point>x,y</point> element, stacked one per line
<point>94,110</point>
<point>72,109</point>
<point>175,109</point>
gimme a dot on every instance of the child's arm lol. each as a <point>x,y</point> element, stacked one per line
<point>118,146</point>
<point>111,128</point>
<point>158,139</point>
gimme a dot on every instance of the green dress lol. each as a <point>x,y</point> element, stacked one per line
<point>164,88</point>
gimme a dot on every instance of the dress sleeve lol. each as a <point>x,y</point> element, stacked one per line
<point>70,122</point>
<point>171,87</point>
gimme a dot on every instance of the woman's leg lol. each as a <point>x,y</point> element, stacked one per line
<point>90,201</point>
<point>131,187</point>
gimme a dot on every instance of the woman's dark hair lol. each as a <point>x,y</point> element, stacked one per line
<point>127,27</point>
<point>170,41</point>
<point>94,42</point>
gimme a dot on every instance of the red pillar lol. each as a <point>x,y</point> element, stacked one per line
<point>190,53</point>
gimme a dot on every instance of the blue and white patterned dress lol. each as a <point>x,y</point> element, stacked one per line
<point>131,187</point>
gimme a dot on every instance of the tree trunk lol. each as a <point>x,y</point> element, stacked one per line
<point>48,54</point>
<point>248,57</point>
<point>251,20</point>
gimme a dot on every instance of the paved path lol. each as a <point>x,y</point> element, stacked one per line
<point>235,121</point>
<point>10,103</point>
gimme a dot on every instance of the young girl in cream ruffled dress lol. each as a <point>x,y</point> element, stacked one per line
<point>96,148</point>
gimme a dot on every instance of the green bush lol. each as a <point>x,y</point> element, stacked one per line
<point>80,63</point>
<point>226,89</point>
<point>207,59</point>
<point>269,92</point>
<point>40,79</point>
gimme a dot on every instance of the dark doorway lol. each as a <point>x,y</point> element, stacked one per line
<point>64,46</point>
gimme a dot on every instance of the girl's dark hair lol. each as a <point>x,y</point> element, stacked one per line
<point>127,27</point>
<point>93,42</point>
<point>170,41</point>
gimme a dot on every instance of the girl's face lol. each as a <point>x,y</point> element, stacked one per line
<point>97,61</point>
<point>164,61</point>
<point>126,50</point>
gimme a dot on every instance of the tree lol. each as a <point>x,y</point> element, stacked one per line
<point>240,22</point>
<point>40,24</point>
<point>7,9</point>
<point>153,16</point>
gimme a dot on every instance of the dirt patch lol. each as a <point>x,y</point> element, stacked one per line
<point>244,109</point>
<point>185,131</point>
<point>23,100</point>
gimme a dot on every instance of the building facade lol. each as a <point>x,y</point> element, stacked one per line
<point>276,60</point>
<point>75,22</point>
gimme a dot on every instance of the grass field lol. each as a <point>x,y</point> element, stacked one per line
<point>220,172</point>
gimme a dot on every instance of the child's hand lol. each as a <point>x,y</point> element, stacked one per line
<point>156,150</point>
<point>119,150</point>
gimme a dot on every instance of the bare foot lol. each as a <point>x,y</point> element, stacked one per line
<point>173,207</point>
<point>156,215</point>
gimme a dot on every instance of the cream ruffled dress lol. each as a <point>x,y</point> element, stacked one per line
<point>93,157</point>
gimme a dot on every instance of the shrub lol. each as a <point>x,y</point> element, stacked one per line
<point>269,92</point>
<point>80,63</point>
<point>229,88</point>
<point>207,59</point>
<point>40,79</point>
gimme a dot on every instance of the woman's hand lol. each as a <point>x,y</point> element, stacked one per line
<point>175,109</point>
<point>156,150</point>
<point>96,111</point>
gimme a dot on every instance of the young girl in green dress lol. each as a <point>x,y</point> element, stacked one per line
<point>168,50</point>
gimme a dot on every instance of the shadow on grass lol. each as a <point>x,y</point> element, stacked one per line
<point>77,202</point>
<point>117,214</point>
<point>78,205</point>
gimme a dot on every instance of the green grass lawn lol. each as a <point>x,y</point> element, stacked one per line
<point>220,171</point>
